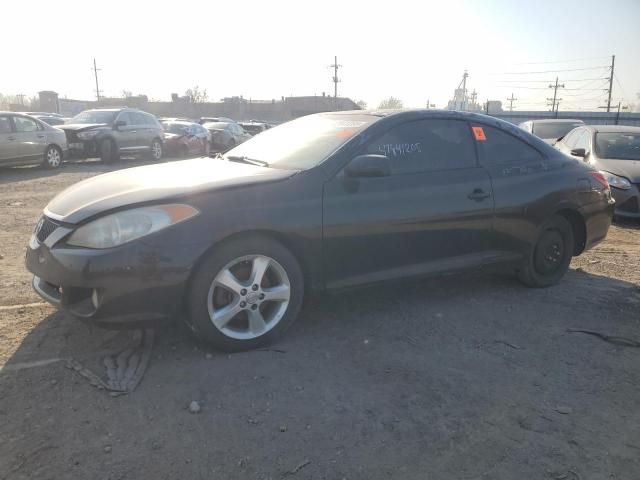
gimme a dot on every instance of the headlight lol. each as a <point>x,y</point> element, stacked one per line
<point>616,181</point>
<point>87,135</point>
<point>121,227</point>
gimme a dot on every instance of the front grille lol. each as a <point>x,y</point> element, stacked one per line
<point>45,228</point>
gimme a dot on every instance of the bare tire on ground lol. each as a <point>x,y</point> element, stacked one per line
<point>551,255</point>
<point>52,157</point>
<point>108,151</point>
<point>245,294</point>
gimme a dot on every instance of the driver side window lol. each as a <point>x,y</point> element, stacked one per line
<point>124,117</point>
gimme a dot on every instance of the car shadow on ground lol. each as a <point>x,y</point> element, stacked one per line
<point>467,376</point>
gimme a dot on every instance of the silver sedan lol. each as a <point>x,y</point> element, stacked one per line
<point>25,140</point>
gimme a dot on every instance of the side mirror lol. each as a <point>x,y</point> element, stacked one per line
<point>579,152</point>
<point>118,124</point>
<point>371,165</point>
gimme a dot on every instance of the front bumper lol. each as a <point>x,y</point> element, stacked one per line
<point>627,202</point>
<point>135,282</point>
<point>82,149</point>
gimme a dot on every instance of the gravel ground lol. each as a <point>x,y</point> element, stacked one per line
<point>465,377</point>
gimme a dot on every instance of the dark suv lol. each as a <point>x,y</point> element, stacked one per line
<point>110,132</point>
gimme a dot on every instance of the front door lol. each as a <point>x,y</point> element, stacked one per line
<point>8,140</point>
<point>125,134</point>
<point>433,212</point>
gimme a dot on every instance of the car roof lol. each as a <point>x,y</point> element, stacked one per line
<point>557,120</point>
<point>614,128</point>
<point>179,122</point>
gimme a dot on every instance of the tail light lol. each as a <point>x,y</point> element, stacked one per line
<point>601,179</point>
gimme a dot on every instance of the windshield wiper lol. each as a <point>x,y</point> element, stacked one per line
<point>250,161</point>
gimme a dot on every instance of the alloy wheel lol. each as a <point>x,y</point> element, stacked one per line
<point>53,157</point>
<point>249,297</point>
<point>156,150</point>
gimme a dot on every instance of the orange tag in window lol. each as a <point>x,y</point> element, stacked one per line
<point>478,132</point>
<point>345,133</point>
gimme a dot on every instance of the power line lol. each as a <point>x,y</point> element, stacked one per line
<point>561,61</point>
<point>545,81</point>
<point>551,71</point>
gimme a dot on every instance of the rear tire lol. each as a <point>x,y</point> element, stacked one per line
<point>108,151</point>
<point>550,258</point>
<point>276,296</point>
<point>52,157</point>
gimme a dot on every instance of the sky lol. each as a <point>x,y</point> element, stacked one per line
<point>413,50</point>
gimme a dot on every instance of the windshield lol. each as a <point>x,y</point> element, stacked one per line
<point>303,143</point>
<point>553,130</point>
<point>618,145</point>
<point>94,117</point>
<point>177,128</point>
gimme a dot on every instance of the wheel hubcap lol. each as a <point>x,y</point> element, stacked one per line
<point>249,297</point>
<point>53,157</point>
<point>550,252</point>
<point>157,150</point>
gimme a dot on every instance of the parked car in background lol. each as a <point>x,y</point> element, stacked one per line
<point>110,132</point>
<point>186,138</point>
<point>46,114</point>
<point>26,140</point>
<point>550,130</point>
<point>52,120</point>
<point>254,128</point>
<point>226,135</point>
<point>615,151</point>
<point>204,120</point>
<point>325,201</point>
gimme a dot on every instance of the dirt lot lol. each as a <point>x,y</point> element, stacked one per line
<point>463,377</point>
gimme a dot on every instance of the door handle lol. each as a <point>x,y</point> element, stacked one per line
<point>478,195</point>
<point>40,136</point>
<point>133,131</point>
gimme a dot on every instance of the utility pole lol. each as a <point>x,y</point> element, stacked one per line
<point>335,67</point>
<point>511,100</point>
<point>428,103</point>
<point>474,96</point>
<point>463,104</point>
<point>555,95</point>
<point>95,73</point>
<point>613,64</point>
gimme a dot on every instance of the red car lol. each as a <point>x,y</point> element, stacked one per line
<point>185,139</point>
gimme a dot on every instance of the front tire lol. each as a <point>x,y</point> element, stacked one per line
<point>245,294</point>
<point>156,150</point>
<point>52,157</point>
<point>108,151</point>
<point>551,255</point>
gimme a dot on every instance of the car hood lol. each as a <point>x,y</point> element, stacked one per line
<point>154,183</point>
<point>76,127</point>
<point>623,168</point>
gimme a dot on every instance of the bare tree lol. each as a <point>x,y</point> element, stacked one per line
<point>362,104</point>
<point>390,103</point>
<point>126,93</point>
<point>196,95</point>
